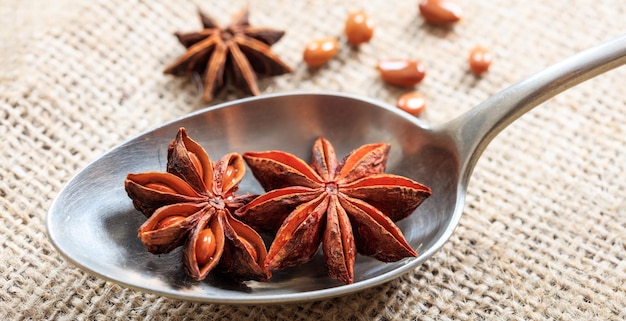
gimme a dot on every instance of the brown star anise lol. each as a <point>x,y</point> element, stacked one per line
<point>234,54</point>
<point>191,205</point>
<point>348,207</point>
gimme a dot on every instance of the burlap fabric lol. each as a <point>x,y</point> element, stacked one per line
<point>542,236</point>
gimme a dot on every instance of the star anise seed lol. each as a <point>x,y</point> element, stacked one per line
<point>191,205</point>
<point>347,207</point>
<point>234,55</point>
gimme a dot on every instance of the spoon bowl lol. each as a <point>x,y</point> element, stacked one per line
<point>93,224</point>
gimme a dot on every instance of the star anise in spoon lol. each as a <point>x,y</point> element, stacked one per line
<point>234,55</point>
<point>191,205</point>
<point>348,207</point>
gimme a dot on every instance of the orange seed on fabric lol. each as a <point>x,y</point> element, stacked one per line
<point>320,51</point>
<point>413,103</point>
<point>440,12</point>
<point>359,28</point>
<point>479,60</point>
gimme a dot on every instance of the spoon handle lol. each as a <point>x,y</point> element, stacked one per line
<point>475,129</point>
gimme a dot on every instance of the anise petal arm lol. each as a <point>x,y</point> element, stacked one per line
<point>243,72</point>
<point>228,173</point>
<point>324,159</point>
<point>213,78</point>
<point>265,35</point>
<point>196,269</point>
<point>268,211</point>
<point>375,234</point>
<point>395,196</point>
<point>338,243</point>
<point>151,190</point>
<point>262,59</point>
<point>300,236</point>
<point>189,161</point>
<point>207,21</point>
<point>189,39</point>
<point>276,169</point>
<point>162,239</point>
<point>244,253</point>
<point>366,160</point>
<point>235,201</point>
<point>240,19</point>
<point>185,64</point>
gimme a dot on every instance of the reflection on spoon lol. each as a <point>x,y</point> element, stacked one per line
<point>93,224</point>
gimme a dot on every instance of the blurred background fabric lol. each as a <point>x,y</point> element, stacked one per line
<point>544,228</point>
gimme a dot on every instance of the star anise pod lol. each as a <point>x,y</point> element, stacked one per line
<point>348,207</point>
<point>233,54</point>
<point>191,205</point>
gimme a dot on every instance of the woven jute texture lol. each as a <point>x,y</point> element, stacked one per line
<point>543,231</point>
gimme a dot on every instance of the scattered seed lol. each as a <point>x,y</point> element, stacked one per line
<point>479,60</point>
<point>359,28</point>
<point>440,12</point>
<point>320,51</point>
<point>406,73</point>
<point>413,103</point>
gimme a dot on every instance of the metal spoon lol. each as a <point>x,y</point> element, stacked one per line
<point>93,224</point>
